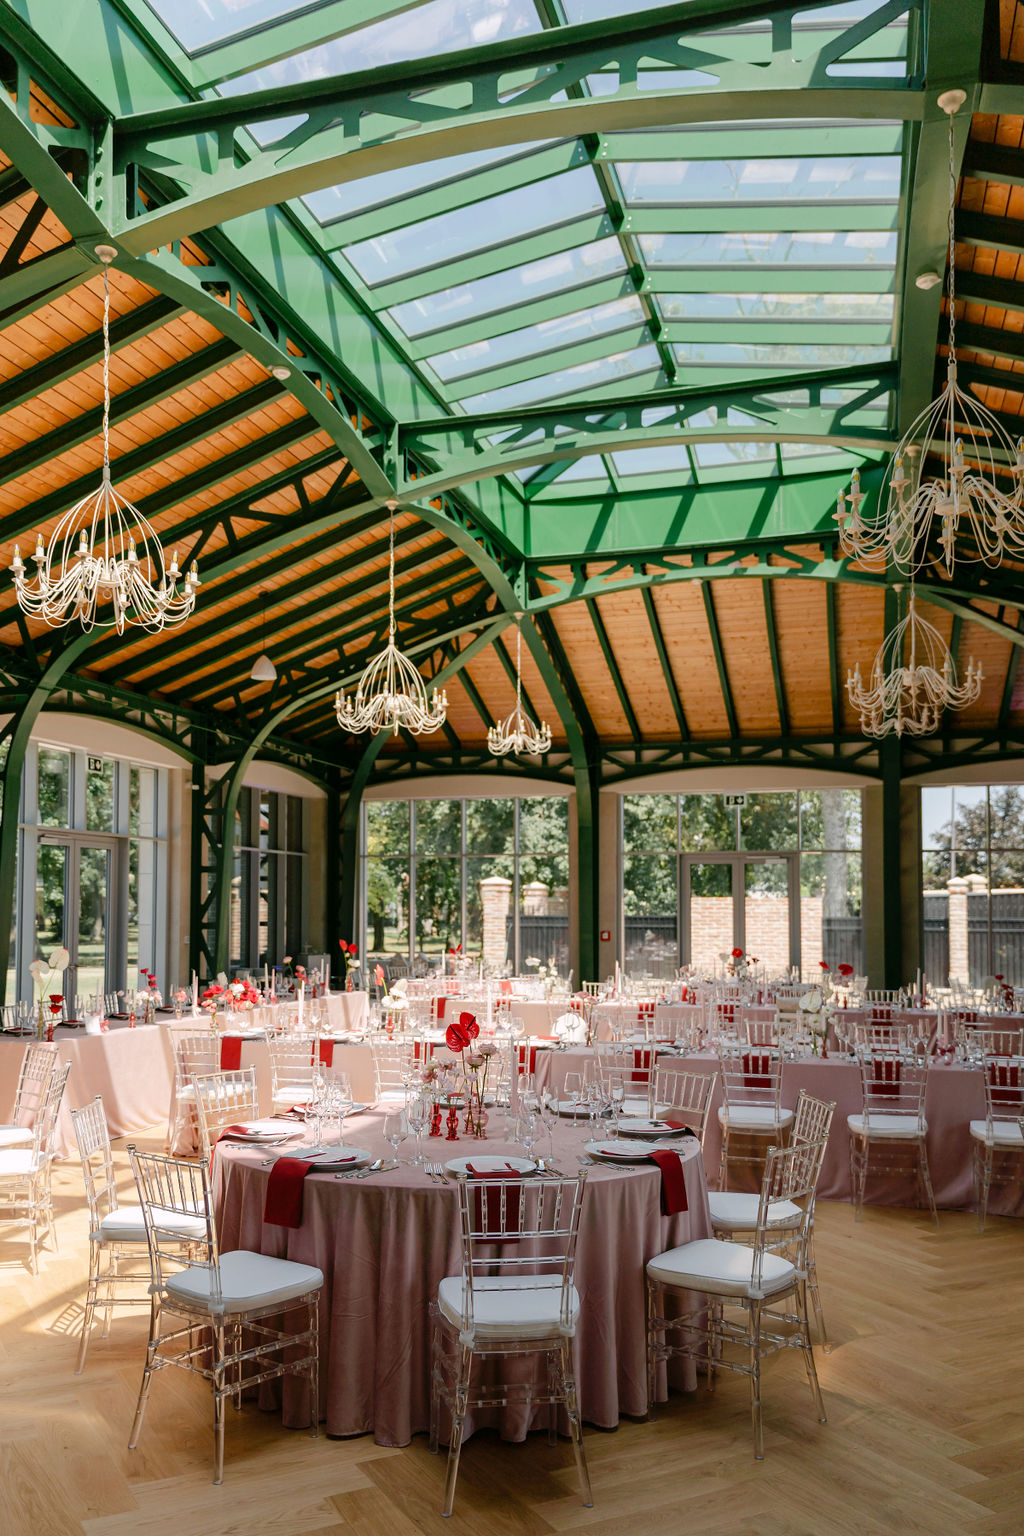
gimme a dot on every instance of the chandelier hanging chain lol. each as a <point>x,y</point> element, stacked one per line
<point>909,694</point>
<point>105,564</point>
<point>518,733</point>
<point>390,695</point>
<point>973,510</point>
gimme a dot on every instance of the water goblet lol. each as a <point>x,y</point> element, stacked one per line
<point>418,1111</point>
<point>396,1128</point>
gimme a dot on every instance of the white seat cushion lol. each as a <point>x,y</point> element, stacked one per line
<point>16,1164</point>
<point>888,1127</point>
<point>721,1268</point>
<point>754,1117</point>
<point>1005,1133</point>
<point>732,1211</point>
<point>637,1107</point>
<point>509,1306</point>
<point>15,1136</point>
<point>127,1225</point>
<point>250,1282</point>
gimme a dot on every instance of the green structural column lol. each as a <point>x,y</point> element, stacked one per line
<point>347,915</point>
<point>892,879</point>
<point>587,779</point>
<point>332,876</point>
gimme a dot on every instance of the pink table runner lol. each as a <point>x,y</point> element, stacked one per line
<point>385,1242</point>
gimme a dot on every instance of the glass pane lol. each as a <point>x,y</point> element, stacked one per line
<point>491,221</point>
<point>271,829</point>
<point>54,787</point>
<point>544,911</point>
<point>438,907</point>
<point>199,22</point>
<point>99,796</point>
<point>142,908</point>
<point>648,823</point>
<point>330,203</point>
<point>803,248</point>
<point>830,818</point>
<point>1007,917</point>
<point>769,821</point>
<point>387,907</point>
<point>836,178</point>
<point>560,332</point>
<point>132,956</point>
<point>777,306</point>
<point>246,832</point>
<point>517,285</point>
<point>706,824</point>
<point>489,909</point>
<point>93,897</point>
<point>831,924</point>
<point>766,915</point>
<point>544,825</point>
<point>650,900</point>
<point>268,927</point>
<point>564,381</point>
<point>387,827</point>
<point>295,868</point>
<point>980,937</point>
<point>936,816</point>
<point>735,354</point>
<point>142,792</point>
<point>967,837</point>
<point>1006,816</point>
<point>51,899</point>
<point>710,918</point>
<point>490,829</point>
<point>239,928</point>
<point>439,826</point>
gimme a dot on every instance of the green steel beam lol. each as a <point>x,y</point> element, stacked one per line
<point>608,653</point>
<point>1009,687</point>
<point>832,631</point>
<point>989,338</point>
<point>132,327</point>
<point>775,657</point>
<point>993,162</point>
<point>953,56</point>
<point>139,397</point>
<point>991,231</point>
<point>658,637</point>
<point>980,288</point>
<point>456,106</point>
<point>719,653</point>
<point>476,699</point>
<point>33,147</point>
<point>41,280</point>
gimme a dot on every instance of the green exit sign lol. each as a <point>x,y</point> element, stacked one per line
<point>734,802</point>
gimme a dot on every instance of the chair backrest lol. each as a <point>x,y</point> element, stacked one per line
<point>632,1065</point>
<point>790,1173</point>
<point>1004,1079</point>
<point>684,1096</point>
<point>761,1031</point>
<point>195,1053</point>
<point>173,1192</point>
<point>893,1083</point>
<point>751,1075</point>
<point>393,1062</point>
<point>296,1059</point>
<point>880,1037</point>
<point>223,1099</point>
<point>93,1138</point>
<point>37,1067</point>
<point>813,1118</point>
<point>45,1122</point>
<point>985,1043</point>
<point>522,1234</point>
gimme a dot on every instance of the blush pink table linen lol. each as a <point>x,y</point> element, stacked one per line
<point>384,1243</point>
<point>955,1096</point>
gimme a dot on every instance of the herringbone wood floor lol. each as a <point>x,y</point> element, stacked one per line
<point>924,1390</point>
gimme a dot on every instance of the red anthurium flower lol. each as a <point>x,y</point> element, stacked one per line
<point>468,1021</point>
<point>823,964</point>
<point>378,974</point>
<point>343,946</point>
<point>457,1037</point>
<point>737,954</point>
<point>998,977</point>
<point>845,969</point>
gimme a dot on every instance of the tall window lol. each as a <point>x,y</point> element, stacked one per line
<point>777,874</point>
<point>269,879</point>
<point>972,861</point>
<point>491,875</point>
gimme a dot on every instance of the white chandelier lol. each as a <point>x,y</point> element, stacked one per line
<point>913,680</point>
<point>104,551</point>
<point>390,695</point>
<point>518,733</point>
<point>970,442</point>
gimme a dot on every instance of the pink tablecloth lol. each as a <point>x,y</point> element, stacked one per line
<point>954,1098</point>
<point>130,1068</point>
<point>384,1244</point>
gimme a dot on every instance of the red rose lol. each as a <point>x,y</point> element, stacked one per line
<point>353,949</point>
<point>737,954</point>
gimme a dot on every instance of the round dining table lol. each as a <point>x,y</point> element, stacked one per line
<point>385,1241</point>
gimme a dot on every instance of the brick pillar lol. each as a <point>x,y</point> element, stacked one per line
<point>496,899</point>
<point>959,965</point>
<point>535,898</point>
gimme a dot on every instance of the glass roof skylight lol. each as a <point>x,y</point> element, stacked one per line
<point>804,248</point>
<point>559,332</point>
<point>837,178</point>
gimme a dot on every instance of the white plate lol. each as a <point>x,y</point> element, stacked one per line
<point>492,1167</point>
<point>259,1130</point>
<point>574,1108</point>
<point>621,1151</point>
<point>652,1128</point>
<point>337,1157</point>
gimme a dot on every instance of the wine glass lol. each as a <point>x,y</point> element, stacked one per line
<point>574,1087</point>
<point>418,1111</point>
<point>341,1092</point>
<point>617,1096</point>
<point>313,1115</point>
<point>529,1130</point>
<point>396,1128</point>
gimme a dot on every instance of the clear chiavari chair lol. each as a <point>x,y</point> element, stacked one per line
<point>515,1297</point>
<point>37,1067</point>
<point>223,1099</point>
<point>751,1109</point>
<point>26,1199</point>
<point>630,1065</point>
<point>295,1060</point>
<point>230,1310</point>
<point>683,1097</point>
<point>734,1315</point>
<point>194,1051</point>
<point>117,1233</point>
<point>395,1062</point>
<point>996,1141</point>
<point>891,1128</point>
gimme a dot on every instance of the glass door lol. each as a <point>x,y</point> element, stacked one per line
<point>740,901</point>
<point>709,910</point>
<point>768,910</point>
<point>74,890</point>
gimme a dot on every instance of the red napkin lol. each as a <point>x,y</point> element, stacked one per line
<point>231,1053</point>
<point>885,1075</point>
<point>681,1125</point>
<point>327,1052</point>
<point>642,1067</point>
<point>506,987</point>
<point>531,1065</point>
<point>229,1130</point>
<point>439,1006</point>
<point>757,1066</point>
<point>493,1225</point>
<point>283,1207</point>
<point>673,1182</point>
